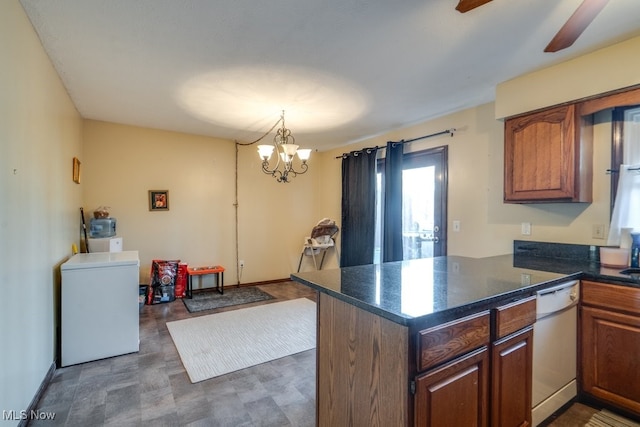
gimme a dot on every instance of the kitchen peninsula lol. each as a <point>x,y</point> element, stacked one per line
<point>414,342</point>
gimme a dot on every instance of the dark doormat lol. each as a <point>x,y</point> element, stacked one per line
<point>234,296</point>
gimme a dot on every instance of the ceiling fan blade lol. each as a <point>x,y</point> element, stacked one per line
<point>576,24</point>
<point>467,5</point>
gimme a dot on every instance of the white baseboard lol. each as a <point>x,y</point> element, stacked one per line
<point>554,402</point>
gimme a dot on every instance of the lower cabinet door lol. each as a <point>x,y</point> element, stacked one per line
<point>454,394</point>
<point>512,364</point>
<point>610,350</point>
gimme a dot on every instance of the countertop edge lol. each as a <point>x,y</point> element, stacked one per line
<point>401,320</point>
<point>448,314</point>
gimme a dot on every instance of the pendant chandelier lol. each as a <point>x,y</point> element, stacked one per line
<point>284,144</point>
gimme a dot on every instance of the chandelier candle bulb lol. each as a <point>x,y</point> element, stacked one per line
<point>304,154</point>
<point>290,149</point>
<point>264,151</point>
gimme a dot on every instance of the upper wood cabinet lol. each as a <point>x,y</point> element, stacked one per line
<point>548,157</point>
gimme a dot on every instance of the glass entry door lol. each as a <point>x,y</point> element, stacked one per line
<point>424,205</point>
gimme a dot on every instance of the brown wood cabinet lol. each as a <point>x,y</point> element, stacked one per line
<point>547,157</point>
<point>471,371</point>
<point>511,368</point>
<point>455,394</point>
<point>512,363</point>
<point>610,345</point>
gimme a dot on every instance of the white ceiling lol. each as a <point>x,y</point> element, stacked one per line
<point>343,70</point>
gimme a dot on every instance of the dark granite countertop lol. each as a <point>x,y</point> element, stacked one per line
<point>570,259</point>
<point>432,290</point>
<point>411,292</point>
<point>586,270</point>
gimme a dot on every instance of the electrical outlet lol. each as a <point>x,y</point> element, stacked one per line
<point>597,231</point>
<point>456,225</point>
<point>241,263</point>
<point>526,229</point>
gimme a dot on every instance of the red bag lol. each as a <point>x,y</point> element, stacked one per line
<point>163,281</point>
<point>181,280</point>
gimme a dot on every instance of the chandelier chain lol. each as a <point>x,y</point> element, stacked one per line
<point>263,136</point>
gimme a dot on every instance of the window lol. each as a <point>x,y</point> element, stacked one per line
<point>625,160</point>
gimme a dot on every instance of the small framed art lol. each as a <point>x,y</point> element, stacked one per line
<point>158,200</point>
<point>76,170</point>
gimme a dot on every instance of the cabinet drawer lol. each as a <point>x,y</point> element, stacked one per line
<point>449,340</point>
<point>512,317</point>
<point>617,297</point>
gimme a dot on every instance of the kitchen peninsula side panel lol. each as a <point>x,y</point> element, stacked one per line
<point>362,375</point>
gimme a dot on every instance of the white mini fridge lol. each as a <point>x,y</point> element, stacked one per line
<point>99,306</point>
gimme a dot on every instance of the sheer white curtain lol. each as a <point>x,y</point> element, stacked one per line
<point>626,210</point>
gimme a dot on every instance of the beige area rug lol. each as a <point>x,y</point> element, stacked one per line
<point>217,344</point>
<point>606,418</point>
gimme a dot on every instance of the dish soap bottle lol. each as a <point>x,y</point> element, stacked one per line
<point>635,250</point>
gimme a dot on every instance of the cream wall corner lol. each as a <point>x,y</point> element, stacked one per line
<point>122,163</point>
<point>40,131</point>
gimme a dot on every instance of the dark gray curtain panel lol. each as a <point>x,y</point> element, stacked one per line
<point>358,208</point>
<point>392,218</point>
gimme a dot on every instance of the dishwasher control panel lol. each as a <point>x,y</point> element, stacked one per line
<point>557,298</point>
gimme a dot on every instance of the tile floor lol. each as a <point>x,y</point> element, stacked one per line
<point>152,388</point>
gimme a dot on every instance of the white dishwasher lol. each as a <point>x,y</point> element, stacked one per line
<point>554,349</point>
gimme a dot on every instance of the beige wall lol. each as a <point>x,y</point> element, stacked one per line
<point>488,226</point>
<point>121,163</point>
<point>40,133</point>
<point>607,69</point>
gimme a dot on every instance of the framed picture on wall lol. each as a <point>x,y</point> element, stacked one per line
<point>76,170</point>
<point>158,200</point>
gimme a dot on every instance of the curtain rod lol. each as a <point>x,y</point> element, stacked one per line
<point>377,147</point>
